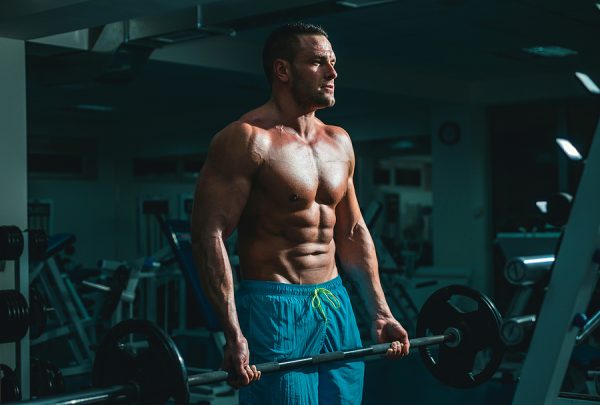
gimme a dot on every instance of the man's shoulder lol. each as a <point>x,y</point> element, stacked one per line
<point>340,137</point>
<point>241,139</point>
<point>338,134</point>
<point>335,131</point>
<point>244,130</point>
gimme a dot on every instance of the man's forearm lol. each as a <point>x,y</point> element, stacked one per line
<point>217,281</point>
<point>359,261</point>
<point>370,290</point>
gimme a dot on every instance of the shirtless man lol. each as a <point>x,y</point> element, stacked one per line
<point>284,179</point>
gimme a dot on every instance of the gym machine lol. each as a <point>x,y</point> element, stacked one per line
<point>574,277</point>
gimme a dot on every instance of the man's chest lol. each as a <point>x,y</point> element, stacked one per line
<point>306,172</point>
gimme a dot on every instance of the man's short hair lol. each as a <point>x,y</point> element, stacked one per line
<point>283,44</point>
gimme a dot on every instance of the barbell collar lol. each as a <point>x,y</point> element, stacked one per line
<point>270,367</point>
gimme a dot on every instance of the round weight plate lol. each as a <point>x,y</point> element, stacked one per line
<point>558,209</point>
<point>57,379</point>
<point>14,316</point>
<point>157,369</point>
<point>46,378</point>
<point>37,313</point>
<point>9,387</point>
<point>39,379</point>
<point>480,351</point>
<point>11,243</point>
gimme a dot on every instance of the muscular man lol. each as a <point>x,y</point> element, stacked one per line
<point>284,179</point>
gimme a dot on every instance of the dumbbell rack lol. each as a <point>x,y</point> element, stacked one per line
<point>572,283</point>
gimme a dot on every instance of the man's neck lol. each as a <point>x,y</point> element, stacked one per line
<point>300,119</point>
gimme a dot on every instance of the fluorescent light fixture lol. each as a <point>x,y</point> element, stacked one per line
<point>570,150</point>
<point>94,107</point>
<point>542,206</point>
<point>588,83</point>
<point>363,3</point>
<point>598,6</point>
<point>550,51</point>
<point>547,259</point>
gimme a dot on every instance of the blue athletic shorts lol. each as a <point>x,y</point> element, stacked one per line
<point>288,321</point>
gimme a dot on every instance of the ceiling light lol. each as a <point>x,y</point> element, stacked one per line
<point>570,150</point>
<point>94,107</point>
<point>363,3</point>
<point>542,206</point>
<point>550,51</point>
<point>588,83</point>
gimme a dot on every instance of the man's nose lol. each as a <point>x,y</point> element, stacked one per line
<point>332,73</point>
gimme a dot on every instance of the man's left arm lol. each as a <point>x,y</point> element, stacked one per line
<point>356,252</point>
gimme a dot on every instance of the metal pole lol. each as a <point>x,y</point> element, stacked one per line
<point>221,375</point>
<point>588,328</point>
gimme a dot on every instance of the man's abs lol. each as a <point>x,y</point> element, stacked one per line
<point>274,258</point>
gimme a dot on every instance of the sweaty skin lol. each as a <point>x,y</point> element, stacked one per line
<point>283,178</point>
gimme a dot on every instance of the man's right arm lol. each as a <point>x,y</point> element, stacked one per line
<point>221,194</point>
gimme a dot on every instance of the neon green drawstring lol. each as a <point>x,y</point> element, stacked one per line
<point>316,301</point>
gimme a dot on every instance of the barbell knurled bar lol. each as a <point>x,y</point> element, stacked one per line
<point>270,367</point>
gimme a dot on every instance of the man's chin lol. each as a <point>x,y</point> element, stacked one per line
<point>326,102</point>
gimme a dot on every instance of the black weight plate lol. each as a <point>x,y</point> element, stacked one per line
<point>39,379</point>
<point>46,379</point>
<point>461,366</point>
<point>11,243</point>
<point>37,313</point>
<point>57,379</point>
<point>558,209</point>
<point>9,386</point>
<point>14,316</point>
<point>158,370</point>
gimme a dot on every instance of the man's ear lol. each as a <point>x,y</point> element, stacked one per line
<point>281,70</point>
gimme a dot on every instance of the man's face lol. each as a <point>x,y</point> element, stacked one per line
<point>312,72</point>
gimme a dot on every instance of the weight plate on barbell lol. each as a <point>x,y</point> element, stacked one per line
<point>157,367</point>
<point>480,350</point>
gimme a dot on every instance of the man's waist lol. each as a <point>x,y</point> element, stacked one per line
<point>251,286</point>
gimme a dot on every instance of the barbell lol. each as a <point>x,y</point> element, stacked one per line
<point>452,340</point>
